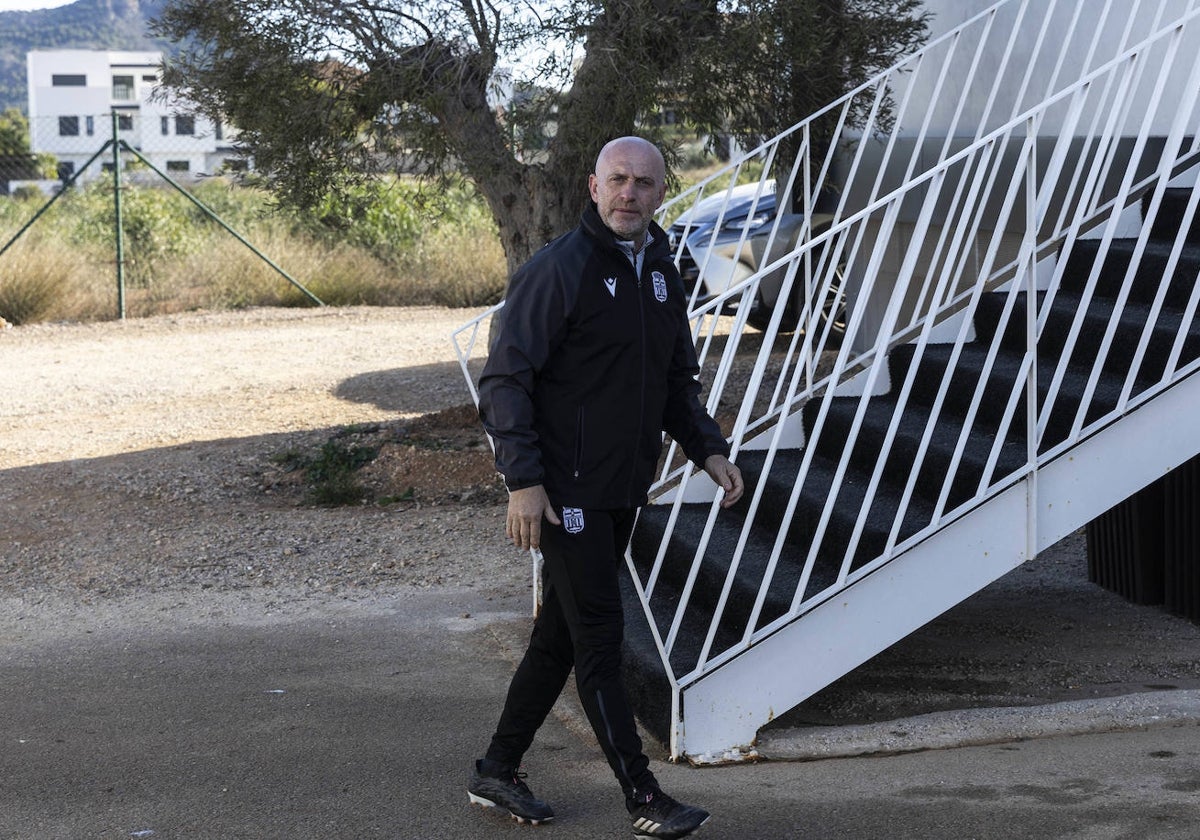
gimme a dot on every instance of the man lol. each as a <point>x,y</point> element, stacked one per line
<point>593,361</point>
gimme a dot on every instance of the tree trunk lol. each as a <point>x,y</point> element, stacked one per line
<point>534,208</point>
<point>531,203</point>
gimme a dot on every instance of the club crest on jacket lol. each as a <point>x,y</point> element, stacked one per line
<point>660,286</point>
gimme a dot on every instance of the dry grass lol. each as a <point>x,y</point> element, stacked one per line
<point>55,272</point>
<point>41,281</point>
<point>396,249</point>
<point>458,267</point>
<point>229,275</point>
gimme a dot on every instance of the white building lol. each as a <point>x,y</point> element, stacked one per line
<point>76,95</point>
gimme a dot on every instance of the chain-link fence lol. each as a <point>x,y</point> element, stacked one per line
<point>21,170</point>
<point>112,193</point>
<point>152,200</point>
<point>65,146</point>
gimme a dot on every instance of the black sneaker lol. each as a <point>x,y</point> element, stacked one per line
<point>507,790</point>
<point>657,816</point>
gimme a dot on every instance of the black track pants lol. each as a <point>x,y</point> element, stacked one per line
<point>580,625</point>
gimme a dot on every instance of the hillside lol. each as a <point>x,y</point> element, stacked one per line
<point>84,24</point>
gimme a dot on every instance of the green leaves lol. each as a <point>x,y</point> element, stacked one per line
<point>330,95</point>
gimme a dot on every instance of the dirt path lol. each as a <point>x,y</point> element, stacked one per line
<point>142,456</point>
<point>85,391</point>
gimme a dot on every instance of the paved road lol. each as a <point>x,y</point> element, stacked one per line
<point>226,718</point>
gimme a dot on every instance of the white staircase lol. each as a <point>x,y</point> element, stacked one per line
<point>1021,342</point>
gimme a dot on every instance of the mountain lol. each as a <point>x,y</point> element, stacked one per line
<point>84,24</point>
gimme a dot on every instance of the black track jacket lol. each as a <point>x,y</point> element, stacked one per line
<point>592,363</point>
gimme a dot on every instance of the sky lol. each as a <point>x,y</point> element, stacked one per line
<point>26,5</point>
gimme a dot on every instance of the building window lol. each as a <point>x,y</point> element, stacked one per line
<point>65,169</point>
<point>149,77</point>
<point>90,125</point>
<point>166,126</point>
<point>179,166</point>
<point>185,125</point>
<point>124,122</point>
<point>219,130</point>
<point>122,90</point>
<point>68,126</point>
<point>68,80</point>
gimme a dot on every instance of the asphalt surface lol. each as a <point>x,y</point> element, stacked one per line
<point>223,718</point>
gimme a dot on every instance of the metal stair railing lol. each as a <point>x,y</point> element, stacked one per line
<point>941,154</point>
<point>1097,125</point>
<point>1001,27</point>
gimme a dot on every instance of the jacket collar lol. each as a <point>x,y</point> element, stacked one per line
<point>594,227</point>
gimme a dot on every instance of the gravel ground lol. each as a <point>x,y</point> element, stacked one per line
<point>140,466</point>
<point>143,457</point>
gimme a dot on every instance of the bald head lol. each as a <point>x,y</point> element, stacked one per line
<point>633,146</point>
<point>629,184</point>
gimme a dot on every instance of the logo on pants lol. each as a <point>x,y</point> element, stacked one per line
<point>572,520</point>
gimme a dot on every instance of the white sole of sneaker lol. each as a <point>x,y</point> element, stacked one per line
<point>487,803</point>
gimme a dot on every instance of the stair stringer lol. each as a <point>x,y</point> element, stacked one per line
<point>720,713</point>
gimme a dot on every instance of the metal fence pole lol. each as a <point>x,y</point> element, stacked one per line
<point>117,225</point>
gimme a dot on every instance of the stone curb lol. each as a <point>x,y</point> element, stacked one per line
<point>978,727</point>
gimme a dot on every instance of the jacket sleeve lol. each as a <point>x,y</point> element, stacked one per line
<point>532,322</point>
<point>684,417</point>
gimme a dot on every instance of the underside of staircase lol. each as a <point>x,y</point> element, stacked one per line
<point>1110,296</point>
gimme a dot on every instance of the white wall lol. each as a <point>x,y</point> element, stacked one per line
<point>1078,30</point>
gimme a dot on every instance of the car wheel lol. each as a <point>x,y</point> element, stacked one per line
<point>834,309</point>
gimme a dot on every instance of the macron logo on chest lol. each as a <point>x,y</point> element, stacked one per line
<point>610,283</point>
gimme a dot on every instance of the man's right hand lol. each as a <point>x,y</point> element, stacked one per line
<point>526,507</point>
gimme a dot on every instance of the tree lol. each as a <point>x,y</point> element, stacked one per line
<point>778,62</point>
<point>329,91</point>
<point>16,161</point>
<point>14,133</point>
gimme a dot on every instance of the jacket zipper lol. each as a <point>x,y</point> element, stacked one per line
<point>637,441</point>
<point>578,440</point>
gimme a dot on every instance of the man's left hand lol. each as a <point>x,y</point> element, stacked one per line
<point>728,477</point>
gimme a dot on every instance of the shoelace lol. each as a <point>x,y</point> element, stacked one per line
<point>518,779</point>
<point>658,802</point>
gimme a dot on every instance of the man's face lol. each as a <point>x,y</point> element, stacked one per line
<point>628,186</point>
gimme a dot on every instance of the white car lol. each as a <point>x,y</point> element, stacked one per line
<point>716,263</point>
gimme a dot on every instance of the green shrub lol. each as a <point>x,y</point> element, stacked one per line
<point>330,473</point>
<point>27,192</point>
<point>237,205</point>
<point>386,217</point>
<point>156,223</point>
